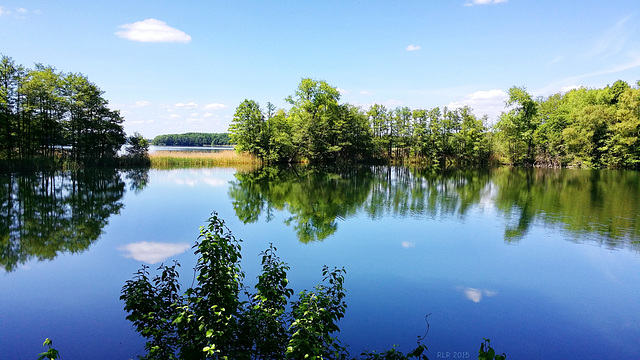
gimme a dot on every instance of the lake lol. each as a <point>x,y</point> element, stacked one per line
<point>545,263</point>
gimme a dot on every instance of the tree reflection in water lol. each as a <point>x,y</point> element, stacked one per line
<point>45,213</point>
<point>598,205</point>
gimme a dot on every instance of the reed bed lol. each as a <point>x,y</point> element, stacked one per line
<point>224,158</point>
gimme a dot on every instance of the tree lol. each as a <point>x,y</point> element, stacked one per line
<point>247,129</point>
<point>42,110</point>
<point>379,123</point>
<point>553,118</point>
<point>516,127</point>
<point>622,146</point>
<point>473,147</point>
<point>11,76</point>
<point>138,145</point>
<point>313,115</point>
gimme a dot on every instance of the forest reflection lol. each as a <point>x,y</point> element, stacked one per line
<point>593,205</point>
<point>45,213</point>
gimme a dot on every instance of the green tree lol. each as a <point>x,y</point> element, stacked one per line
<point>472,142</point>
<point>247,130</point>
<point>622,146</point>
<point>553,115</point>
<point>138,145</point>
<point>313,116</point>
<point>379,123</point>
<point>11,77</point>
<point>516,128</point>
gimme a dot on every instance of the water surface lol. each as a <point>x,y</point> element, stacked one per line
<point>540,261</point>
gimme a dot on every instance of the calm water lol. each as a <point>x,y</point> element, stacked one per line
<point>545,263</point>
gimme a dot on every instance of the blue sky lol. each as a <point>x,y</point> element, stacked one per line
<point>174,67</point>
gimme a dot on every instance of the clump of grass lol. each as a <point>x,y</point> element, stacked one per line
<point>179,159</point>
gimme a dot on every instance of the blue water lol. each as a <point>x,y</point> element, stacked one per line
<point>547,295</point>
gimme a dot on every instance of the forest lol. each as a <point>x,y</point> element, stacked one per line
<point>585,128</point>
<point>45,113</point>
<point>192,139</point>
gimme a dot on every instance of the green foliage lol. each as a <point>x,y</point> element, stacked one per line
<point>42,110</point>
<point>589,128</point>
<point>320,130</point>
<point>583,128</point>
<point>248,129</point>
<point>394,354</point>
<point>316,315</point>
<point>516,128</point>
<point>486,352</point>
<point>317,128</point>
<point>210,319</point>
<point>192,139</point>
<point>138,145</point>
<point>51,353</point>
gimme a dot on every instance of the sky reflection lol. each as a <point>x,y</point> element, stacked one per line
<point>152,252</point>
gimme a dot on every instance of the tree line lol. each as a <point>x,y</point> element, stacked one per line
<point>594,128</point>
<point>44,113</point>
<point>192,139</point>
<point>318,128</point>
<point>591,128</point>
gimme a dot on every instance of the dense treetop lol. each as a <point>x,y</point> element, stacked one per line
<point>592,128</point>
<point>43,111</point>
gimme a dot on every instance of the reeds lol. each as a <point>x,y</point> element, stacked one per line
<point>179,159</point>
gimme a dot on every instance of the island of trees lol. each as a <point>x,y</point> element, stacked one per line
<point>590,128</point>
<point>192,139</point>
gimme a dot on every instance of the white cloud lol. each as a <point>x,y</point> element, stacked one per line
<point>413,47</point>
<point>365,92</point>
<point>194,114</point>
<point>483,2</point>
<point>215,106</point>
<point>568,88</point>
<point>408,244</point>
<point>343,91</point>
<point>18,13</point>
<point>152,30</point>
<point>189,105</point>
<point>489,103</point>
<point>175,116</point>
<point>152,252</point>
<point>207,114</point>
<point>141,104</point>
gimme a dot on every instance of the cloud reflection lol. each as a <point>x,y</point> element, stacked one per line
<point>152,252</point>
<point>476,295</point>
<point>194,178</point>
